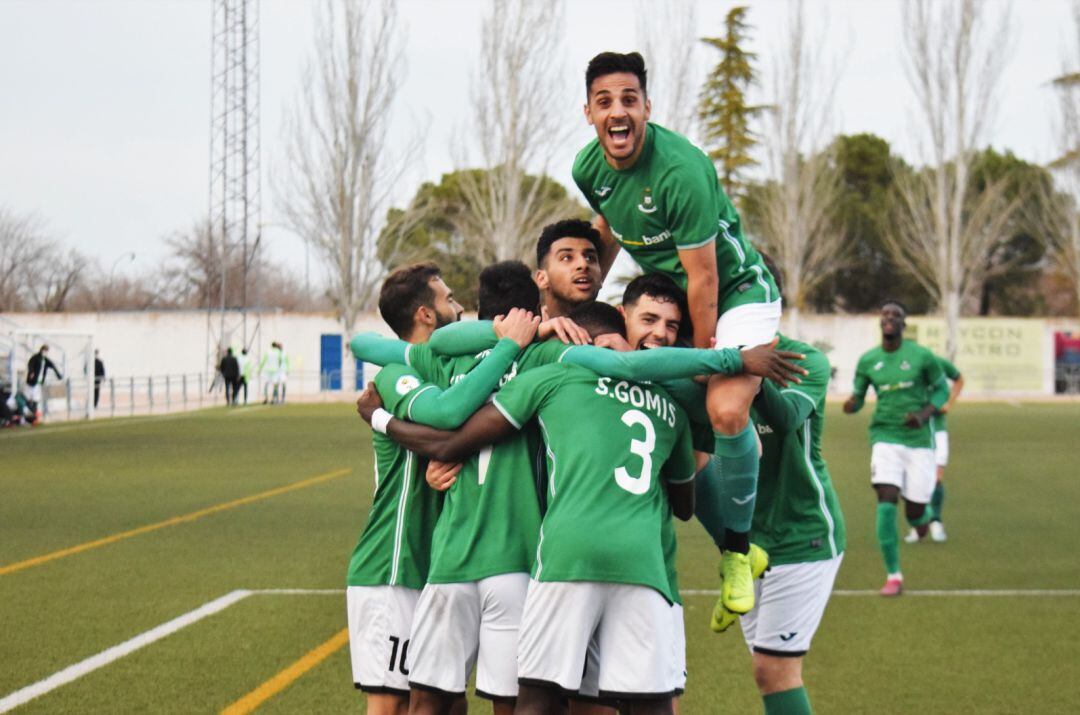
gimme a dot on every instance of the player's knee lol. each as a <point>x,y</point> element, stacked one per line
<point>729,420</point>
<point>887,493</point>
<point>774,674</point>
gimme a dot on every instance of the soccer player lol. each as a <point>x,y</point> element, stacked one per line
<point>941,457</point>
<point>567,266</point>
<point>276,363</point>
<point>599,564</point>
<point>658,196</point>
<point>390,563</point>
<point>910,388</point>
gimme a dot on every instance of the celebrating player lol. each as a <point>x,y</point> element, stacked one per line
<point>600,564</point>
<point>910,388</point>
<point>390,563</point>
<point>658,196</point>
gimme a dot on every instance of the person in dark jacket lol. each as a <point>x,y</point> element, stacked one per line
<point>230,373</point>
<point>99,377</point>
<point>37,368</point>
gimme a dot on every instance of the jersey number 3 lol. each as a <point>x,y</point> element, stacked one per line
<point>642,448</point>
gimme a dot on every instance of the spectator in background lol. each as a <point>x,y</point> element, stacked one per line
<point>37,367</point>
<point>275,364</point>
<point>230,373</point>
<point>99,377</point>
<point>245,370</point>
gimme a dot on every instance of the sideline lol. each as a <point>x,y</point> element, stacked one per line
<point>173,521</point>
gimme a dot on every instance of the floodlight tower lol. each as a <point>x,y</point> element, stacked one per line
<point>234,221</point>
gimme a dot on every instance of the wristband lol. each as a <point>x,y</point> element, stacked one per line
<point>379,419</point>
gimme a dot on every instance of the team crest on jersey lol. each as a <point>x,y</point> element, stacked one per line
<point>602,191</point>
<point>880,364</point>
<point>905,365</point>
<point>406,384</point>
<point>647,206</point>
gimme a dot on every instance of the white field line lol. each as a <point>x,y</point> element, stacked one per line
<point>1003,593</point>
<point>76,671</point>
<point>105,657</point>
<point>117,422</point>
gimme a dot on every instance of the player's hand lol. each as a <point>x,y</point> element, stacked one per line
<point>563,328</point>
<point>767,362</point>
<point>368,402</point>
<point>849,406</point>
<point>913,420</point>
<point>613,341</point>
<point>442,475</point>
<point>518,325</point>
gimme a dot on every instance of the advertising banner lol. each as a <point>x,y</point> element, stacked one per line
<point>994,354</point>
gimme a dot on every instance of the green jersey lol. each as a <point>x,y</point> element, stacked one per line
<point>671,200</point>
<point>606,506</point>
<point>905,380</point>
<point>797,515</point>
<point>491,518</point>
<point>952,373</point>
<point>395,546</point>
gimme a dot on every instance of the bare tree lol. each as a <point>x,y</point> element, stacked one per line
<point>795,207</point>
<point>1058,212</point>
<point>57,278</point>
<point>941,230</point>
<point>23,249</point>
<point>516,131</point>
<point>341,174</point>
<point>668,35</point>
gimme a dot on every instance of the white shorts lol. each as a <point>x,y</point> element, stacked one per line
<point>590,679</point>
<point>459,625</point>
<point>32,392</point>
<point>278,378</point>
<point>380,618</point>
<point>941,448</point>
<point>911,469</point>
<point>790,603</point>
<point>746,326</point>
<point>633,634</point>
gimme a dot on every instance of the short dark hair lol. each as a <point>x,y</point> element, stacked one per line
<point>897,303</point>
<point>656,286</point>
<point>567,228</point>
<point>599,318</point>
<point>607,63</point>
<point>506,285</point>
<point>405,290</point>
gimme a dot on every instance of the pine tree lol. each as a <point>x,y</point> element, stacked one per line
<point>725,115</point>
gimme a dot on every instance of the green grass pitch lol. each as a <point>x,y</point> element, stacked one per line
<point>1011,513</point>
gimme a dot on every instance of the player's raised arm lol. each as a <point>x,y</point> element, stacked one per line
<point>661,364</point>
<point>378,349</point>
<point>786,410</point>
<point>609,248</point>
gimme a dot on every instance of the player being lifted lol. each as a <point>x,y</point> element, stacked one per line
<point>910,388</point>
<point>390,563</point>
<point>658,196</point>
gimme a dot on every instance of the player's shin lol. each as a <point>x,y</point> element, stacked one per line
<point>937,500</point>
<point>886,535</point>
<point>707,501</point>
<point>788,702</point>
<point>738,459</point>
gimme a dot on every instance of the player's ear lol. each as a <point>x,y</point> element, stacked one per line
<point>648,108</point>
<point>424,316</point>
<point>588,114</point>
<point>622,311</point>
<point>541,279</point>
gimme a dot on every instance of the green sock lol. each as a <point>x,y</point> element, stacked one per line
<point>937,500</point>
<point>738,460</point>
<point>886,536</point>
<point>707,498</point>
<point>927,516</point>
<point>788,702</point>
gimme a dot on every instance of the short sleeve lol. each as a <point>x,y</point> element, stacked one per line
<point>522,397</point>
<point>949,369</point>
<point>690,205</point>
<point>398,386</point>
<point>582,181</point>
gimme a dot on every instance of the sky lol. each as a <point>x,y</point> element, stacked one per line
<point>105,104</point>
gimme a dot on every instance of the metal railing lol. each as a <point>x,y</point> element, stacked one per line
<point>160,394</point>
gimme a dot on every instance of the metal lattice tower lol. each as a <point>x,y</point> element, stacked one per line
<point>234,172</point>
